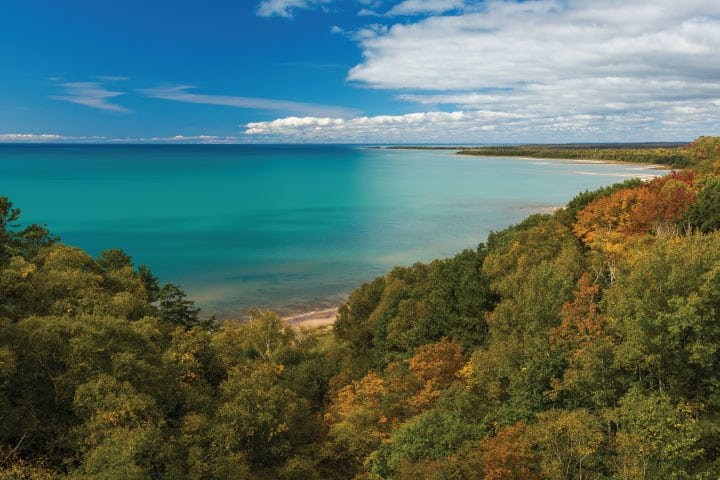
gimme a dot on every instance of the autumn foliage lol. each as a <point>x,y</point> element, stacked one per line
<point>578,345</point>
<point>657,207</point>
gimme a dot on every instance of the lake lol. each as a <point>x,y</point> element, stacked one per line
<point>289,227</point>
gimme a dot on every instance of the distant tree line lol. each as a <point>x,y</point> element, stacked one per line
<point>698,155</point>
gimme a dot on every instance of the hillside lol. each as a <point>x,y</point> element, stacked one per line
<point>582,344</point>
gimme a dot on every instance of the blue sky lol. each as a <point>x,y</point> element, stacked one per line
<point>359,71</point>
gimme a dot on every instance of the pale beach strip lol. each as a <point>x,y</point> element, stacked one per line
<point>314,319</point>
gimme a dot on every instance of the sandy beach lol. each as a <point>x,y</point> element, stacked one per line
<point>314,319</point>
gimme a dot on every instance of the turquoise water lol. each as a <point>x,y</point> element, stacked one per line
<point>287,227</point>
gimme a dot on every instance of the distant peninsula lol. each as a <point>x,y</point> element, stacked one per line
<point>674,154</point>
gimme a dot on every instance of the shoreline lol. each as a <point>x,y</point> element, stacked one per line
<point>322,314</point>
<point>313,319</point>
<point>571,161</point>
<point>469,151</point>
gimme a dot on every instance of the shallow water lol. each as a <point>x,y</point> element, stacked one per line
<point>288,227</point>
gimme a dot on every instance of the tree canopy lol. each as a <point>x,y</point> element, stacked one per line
<point>578,345</point>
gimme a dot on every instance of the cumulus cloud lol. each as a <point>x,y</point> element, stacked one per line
<point>286,8</point>
<point>419,127</point>
<point>91,94</point>
<point>645,65</point>
<point>181,93</point>
<point>513,44</point>
<point>500,125</point>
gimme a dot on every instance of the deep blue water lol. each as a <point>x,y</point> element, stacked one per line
<point>288,227</point>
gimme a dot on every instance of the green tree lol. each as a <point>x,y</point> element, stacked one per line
<point>26,242</point>
<point>8,218</point>
<point>656,438</point>
<point>704,215</point>
<point>664,308</point>
<point>267,335</point>
<point>175,309</point>
<point>120,435</point>
<point>433,435</point>
<point>258,417</point>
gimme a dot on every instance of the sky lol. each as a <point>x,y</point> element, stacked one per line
<point>359,71</point>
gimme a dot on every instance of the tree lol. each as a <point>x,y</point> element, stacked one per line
<point>656,437</point>
<point>353,323</point>
<point>589,377</point>
<point>585,198</point>
<point>113,259</point>
<point>434,366</point>
<point>8,217</point>
<point>26,242</point>
<point>507,455</point>
<point>176,310</point>
<point>150,281</point>
<point>258,417</point>
<point>663,309</point>
<point>267,334</point>
<point>119,436</point>
<point>430,439</point>
<point>356,419</point>
<point>569,443</point>
<point>656,207</point>
<point>704,215</point>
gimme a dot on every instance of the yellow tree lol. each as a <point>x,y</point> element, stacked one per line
<point>357,422</point>
<point>568,443</point>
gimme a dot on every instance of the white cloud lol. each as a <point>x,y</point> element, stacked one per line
<point>512,44</point>
<point>422,127</point>
<point>369,31</point>
<point>431,7</point>
<point>180,93</point>
<point>90,94</point>
<point>54,138</point>
<point>366,12</point>
<point>30,137</point>
<point>498,125</point>
<point>286,8</point>
<point>632,69</point>
<point>112,78</point>
<point>208,139</point>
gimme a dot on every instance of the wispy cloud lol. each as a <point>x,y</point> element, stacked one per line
<point>112,78</point>
<point>425,7</point>
<point>204,139</point>
<point>286,8</point>
<point>181,93</point>
<point>54,138</point>
<point>366,12</point>
<point>91,94</point>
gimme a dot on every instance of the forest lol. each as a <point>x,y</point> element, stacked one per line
<point>582,344</point>
<point>673,155</point>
